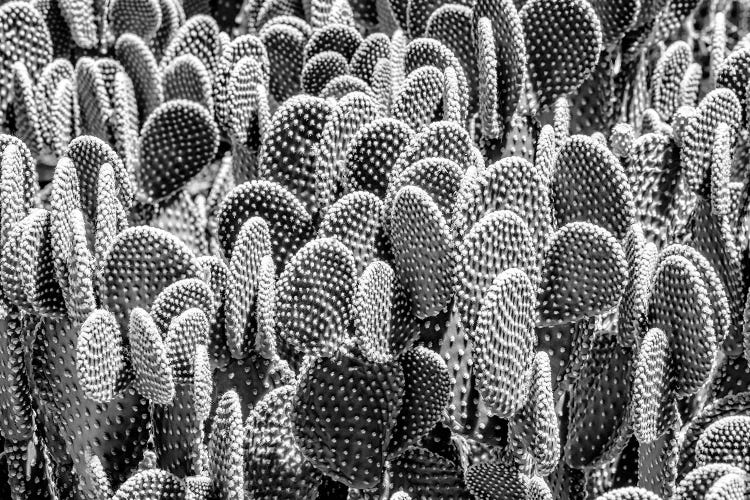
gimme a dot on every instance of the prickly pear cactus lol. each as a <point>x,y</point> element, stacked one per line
<point>360,249</point>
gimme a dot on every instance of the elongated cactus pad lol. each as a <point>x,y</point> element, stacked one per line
<point>504,342</point>
<point>419,232</point>
<point>314,294</point>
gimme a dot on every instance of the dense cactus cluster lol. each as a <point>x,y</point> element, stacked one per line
<point>375,249</point>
